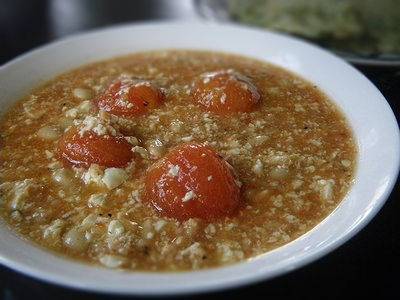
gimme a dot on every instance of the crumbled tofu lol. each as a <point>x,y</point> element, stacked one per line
<point>262,196</point>
<point>325,188</point>
<point>273,90</point>
<point>291,219</point>
<point>178,240</point>
<point>61,194</point>
<point>315,142</point>
<point>75,239</point>
<point>141,151</point>
<point>176,126</point>
<point>277,200</point>
<point>39,214</point>
<point>152,70</point>
<point>97,200</point>
<point>210,229</point>
<point>81,93</point>
<point>115,228</point>
<point>258,167</point>
<point>258,140</point>
<point>49,133</point>
<point>187,138</point>
<point>238,182</point>
<point>233,144</point>
<point>135,196</point>
<point>278,235</point>
<point>299,108</point>
<point>194,251</point>
<point>223,98</point>
<point>96,125</point>
<point>297,183</point>
<point>112,261</point>
<point>72,113</point>
<point>228,253</point>
<point>18,192</point>
<point>62,176</point>
<point>49,155</point>
<point>30,110</point>
<point>54,230</point>
<point>279,172</point>
<point>132,140</point>
<point>309,169</point>
<point>173,171</point>
<point>93,175</point>
<point>156,148</point>
<point>147,229</point>
<point>233,152</point>
<point>85,107</point>
<point>15,215</point>
<point>114,177</point>
<point>89,221</point>
<point>278,159</point>
<point>191,227</point>
<point>189,196</point>
<point>230,226</point>
<point>159,225</point>
<point>345,163</point>
<point>54,165</point>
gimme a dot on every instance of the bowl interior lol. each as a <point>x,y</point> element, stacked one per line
<point>370,116</point>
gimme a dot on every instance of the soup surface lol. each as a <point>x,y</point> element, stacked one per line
<point>172,160</point>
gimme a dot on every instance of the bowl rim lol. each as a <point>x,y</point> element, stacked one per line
<point>209,283</point>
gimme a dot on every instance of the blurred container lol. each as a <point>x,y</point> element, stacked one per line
<point>361,31</point>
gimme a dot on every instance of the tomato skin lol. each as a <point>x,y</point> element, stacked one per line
<point>130,98</point>
<point>90,148</point>
<point>203,178</point>
<point>225,92</point>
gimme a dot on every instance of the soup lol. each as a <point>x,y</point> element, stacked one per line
<point>172,160</point>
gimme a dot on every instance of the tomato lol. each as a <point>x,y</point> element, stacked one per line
<point>90,148</point>
<point>130,98</point>
<point>192,181</point>
<point>225,92</point>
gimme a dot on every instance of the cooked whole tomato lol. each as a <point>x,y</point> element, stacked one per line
<point>225,92</point>
<point>130,98</point>
<point>192,181</point>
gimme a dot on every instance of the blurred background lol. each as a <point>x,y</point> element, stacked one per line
<point>365,32</point>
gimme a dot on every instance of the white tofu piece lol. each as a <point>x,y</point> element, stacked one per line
<point>54,230</point>
<point>112,261</point>
<point>97,200</point>
<point>93,175</point>
<point>82,93</point>
<point>114,177</point>
<point>115,228</point>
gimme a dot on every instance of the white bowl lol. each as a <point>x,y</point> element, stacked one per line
<point>370,116</point>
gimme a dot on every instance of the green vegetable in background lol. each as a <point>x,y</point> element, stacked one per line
<point>361,26</point>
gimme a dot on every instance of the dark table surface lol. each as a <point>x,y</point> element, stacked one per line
<point>366,265</point>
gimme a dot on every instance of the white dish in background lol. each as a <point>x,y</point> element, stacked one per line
<point>218,11</point>
<point>370,116</point>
